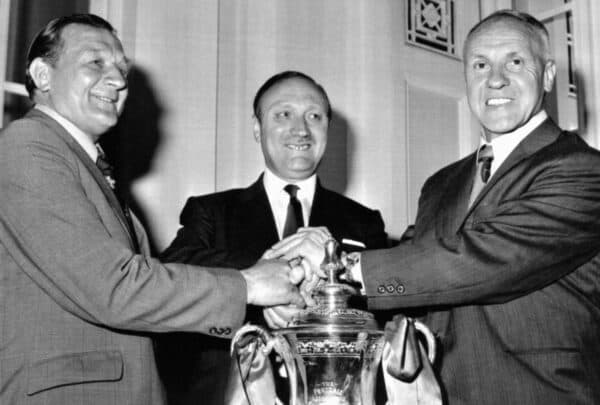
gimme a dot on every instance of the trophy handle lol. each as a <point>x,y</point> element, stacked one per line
<point>254,342</point>
<point>429,338</point>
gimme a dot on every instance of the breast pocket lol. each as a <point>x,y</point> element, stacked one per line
<point>74,368</point>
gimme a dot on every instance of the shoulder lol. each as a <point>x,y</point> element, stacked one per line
<point>212,203</point>
<point>346,204</point>
<point>216,199</point>
<point>29,139</point>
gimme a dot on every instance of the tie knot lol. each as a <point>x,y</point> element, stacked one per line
<point>484,159</point>
<point>105,167</point>
<point>486,153</point>
<point>292,190</point>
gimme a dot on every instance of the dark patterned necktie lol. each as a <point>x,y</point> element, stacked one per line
<point>484,165</point>
<point>108,172</point>
<point>293,219</point>
<point>484,159</point>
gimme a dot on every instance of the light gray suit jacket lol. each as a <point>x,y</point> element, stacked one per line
<point>76,302</point>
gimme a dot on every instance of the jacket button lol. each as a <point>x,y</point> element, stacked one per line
<point>227,331</point>
<point>381,289</point>
<point>213,330</point>
<point>390,288</point>
<point>400,289</point>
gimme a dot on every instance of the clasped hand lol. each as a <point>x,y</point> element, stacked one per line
<point>306,249</point>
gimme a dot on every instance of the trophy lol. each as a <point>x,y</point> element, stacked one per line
<point>331,351</point>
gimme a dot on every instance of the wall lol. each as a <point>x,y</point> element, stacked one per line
<point>198,65</point>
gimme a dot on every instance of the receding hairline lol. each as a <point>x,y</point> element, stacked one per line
<point>516,19</point>
<point>307,80</point>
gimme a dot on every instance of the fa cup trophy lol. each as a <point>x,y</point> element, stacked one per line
<point>331,352</point>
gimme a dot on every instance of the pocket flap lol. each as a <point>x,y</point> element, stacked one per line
<point>74,368</point>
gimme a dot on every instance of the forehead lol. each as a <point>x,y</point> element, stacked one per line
<point>504,35</point>
<point>81,37</point>
<point>292,90</point>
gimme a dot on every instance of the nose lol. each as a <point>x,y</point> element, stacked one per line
<point>116,78</point>
<point>497,78</point>
<point>300,128</point>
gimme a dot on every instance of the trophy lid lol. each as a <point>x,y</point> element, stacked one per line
<point>333,311</point>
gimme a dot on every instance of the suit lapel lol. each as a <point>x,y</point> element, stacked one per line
<point>319,207</point>
<point>540,137</point>
<point>88,163</point>
<point>454,200</point>
<point>255,213</point>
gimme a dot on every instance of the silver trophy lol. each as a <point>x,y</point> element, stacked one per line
<point>331,351</point>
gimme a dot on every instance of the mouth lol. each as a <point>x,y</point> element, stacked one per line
<point>496,102</point>
<point>296,147</point>
<point>112,101</point>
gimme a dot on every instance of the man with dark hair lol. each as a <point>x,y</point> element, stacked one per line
<point>235,227</point>
<point>79,292</point>
<point>505,253</point>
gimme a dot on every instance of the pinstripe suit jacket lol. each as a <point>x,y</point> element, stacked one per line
<point>512,283</point>
<point>76,302</point>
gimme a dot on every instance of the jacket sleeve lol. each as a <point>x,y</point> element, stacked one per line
<point>53,229</point>
<point>521,244</point>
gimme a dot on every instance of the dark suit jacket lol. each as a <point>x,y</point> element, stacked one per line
<point>234,228</point>
<point>513,282</point>
<point>76,301</point>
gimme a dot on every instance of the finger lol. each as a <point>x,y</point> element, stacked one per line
<point>296,274</point>
<point>296,299</point>
<point>321,232</point>
<point>286,241</point>
<point>273,319</point>
<point>308,271</point>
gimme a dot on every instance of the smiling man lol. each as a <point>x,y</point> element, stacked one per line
<point>79,291</point>
<point>235,227</point>
<point>504,258</point>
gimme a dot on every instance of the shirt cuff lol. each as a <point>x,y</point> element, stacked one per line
<point>354,267</point>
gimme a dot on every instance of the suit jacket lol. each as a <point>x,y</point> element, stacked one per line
<point>76,302</point>
<point>512,283</point>
<point>234,228</point>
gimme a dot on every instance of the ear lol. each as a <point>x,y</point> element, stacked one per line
<point>549,75</point>
<point>39,70</point>
<point>256,128</point>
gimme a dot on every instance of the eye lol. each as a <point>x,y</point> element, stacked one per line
<point>283,115</point>
<point>480,65</point>
<point>315,116</point>
<point>515,64</point>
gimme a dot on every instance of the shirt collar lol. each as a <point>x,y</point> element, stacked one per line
<point>82,139</point>
<point>503,145</point>
<point>274,186</point>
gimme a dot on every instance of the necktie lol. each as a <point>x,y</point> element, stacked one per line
<point>108,172</point>
<point>106,168</point>
<point>484,164</point>
<point>293,219</point>
<point>484,160</point>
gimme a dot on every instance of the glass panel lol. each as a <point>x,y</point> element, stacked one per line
<point>27,17</point>
<point>14,107</point>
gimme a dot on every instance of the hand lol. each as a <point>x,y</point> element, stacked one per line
<point>274,282</point>
<point>280,316</point>
<point>307,243</point>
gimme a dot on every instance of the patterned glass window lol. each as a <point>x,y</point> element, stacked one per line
<point>570,56</point>
<point>430,24</point>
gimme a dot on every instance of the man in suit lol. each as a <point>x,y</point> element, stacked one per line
<point>79,293</point>
<point>505,260</point>
<point>235,227</point>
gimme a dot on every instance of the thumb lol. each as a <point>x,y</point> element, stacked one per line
<point>296,274</point>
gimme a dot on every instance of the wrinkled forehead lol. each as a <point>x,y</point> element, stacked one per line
<point>505,32</point>
<point>81,36</point>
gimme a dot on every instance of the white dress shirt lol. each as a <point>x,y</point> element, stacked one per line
<point>279,198</point>
<point>503,145</point>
